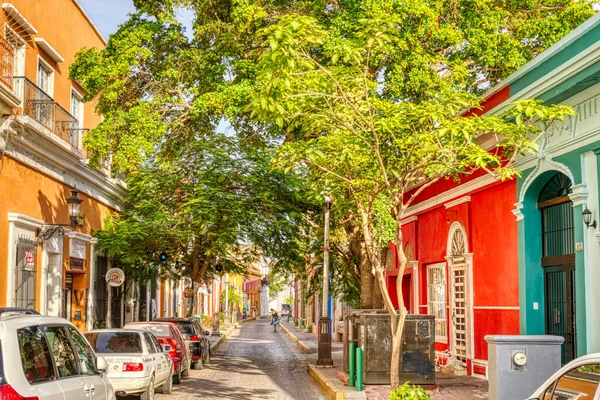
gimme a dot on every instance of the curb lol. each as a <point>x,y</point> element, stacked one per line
<point>332,392</point>
<point>249,319</point>
<point>299,343</point>
<point>217,343</point>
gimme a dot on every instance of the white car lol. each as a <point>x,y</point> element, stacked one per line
<point>48,358</point>
<point>578,379</point>
<point>136,362</point>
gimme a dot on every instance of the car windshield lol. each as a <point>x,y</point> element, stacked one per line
<point>158,330</point>
<point>115,342</point>
<point>186,328</point>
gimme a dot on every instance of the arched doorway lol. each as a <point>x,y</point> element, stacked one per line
<point>558,261</point>
<point>458,264</point>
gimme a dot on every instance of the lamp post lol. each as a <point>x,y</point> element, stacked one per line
<point>324,349</point>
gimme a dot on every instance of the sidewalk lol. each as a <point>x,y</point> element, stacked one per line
<point>447,386</point>
<point>217,340</point>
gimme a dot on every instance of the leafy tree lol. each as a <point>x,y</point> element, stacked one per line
<point>348,132</point>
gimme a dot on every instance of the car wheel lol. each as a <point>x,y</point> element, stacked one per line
<point>149,393</point>
<point>167,387</point>
<point>207,358</point>
<point>177,378</point>
<point>187,370</point>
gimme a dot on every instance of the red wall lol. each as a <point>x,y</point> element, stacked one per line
<point>491,231</point>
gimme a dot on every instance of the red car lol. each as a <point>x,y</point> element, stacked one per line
<point>172,342</point>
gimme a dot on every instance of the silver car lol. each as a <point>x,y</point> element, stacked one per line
<point>136,362</point>
<point>579,379</point>
<point>48,358</point>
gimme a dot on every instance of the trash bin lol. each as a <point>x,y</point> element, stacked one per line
<point>417,362</point>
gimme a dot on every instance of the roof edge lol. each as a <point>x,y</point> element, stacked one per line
<point>94,27</point>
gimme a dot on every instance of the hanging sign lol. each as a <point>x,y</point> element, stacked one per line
<point>188,292</point>
<point>115,277</point>
<point>29,260</point>
<point>78,249</point>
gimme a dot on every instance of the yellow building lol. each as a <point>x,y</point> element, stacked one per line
<point>43,120</point>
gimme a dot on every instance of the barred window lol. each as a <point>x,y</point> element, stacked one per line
<point>436,284</point>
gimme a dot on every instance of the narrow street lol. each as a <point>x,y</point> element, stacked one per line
<point>254,363</point>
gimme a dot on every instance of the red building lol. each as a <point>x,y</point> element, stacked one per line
<point>461,242</point>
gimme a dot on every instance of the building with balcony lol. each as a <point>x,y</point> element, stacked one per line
<point>43,119</point>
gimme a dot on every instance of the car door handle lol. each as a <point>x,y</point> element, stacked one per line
<point>86,390</point>
<point>93,389</point>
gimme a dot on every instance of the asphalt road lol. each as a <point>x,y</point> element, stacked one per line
<point>254,363</point>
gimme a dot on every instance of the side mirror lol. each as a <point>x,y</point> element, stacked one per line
<point>167,348</point>
<point>101,364</point>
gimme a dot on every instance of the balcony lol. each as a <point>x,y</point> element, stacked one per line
<point>42,108</point>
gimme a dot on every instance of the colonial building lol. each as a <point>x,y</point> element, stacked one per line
<point>54,269</point>
<point>482,271</point>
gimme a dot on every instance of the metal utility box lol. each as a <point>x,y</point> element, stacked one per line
<point>417,363</point>
<point>418,350</point>
<point>351,319</point>
<point>518,365</point>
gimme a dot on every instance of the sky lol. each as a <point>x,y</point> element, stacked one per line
<point>109,14</point>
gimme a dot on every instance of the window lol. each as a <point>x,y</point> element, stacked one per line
<point>45,78</point>
<point>186,329</point>
<point>157,345</point>
<point>115,342</point>
<point>35,355</point>
<point>77,112</point>
<point>436,283</point>
<point>64,357</point>
<point>579,383</point>
<point>150,343</point>
<point>87,364</point>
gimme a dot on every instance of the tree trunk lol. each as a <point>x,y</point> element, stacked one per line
<point>377,301</point>
<point>358,249</point>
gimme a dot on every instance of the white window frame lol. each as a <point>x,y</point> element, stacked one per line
<point>44,64</point>
<point>19,57</point>
<point>443,305</point>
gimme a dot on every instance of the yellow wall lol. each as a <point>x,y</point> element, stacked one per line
<point>65,28</point>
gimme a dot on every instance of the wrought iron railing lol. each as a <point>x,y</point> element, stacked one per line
<point>38,105</point>
<point>7,60</point>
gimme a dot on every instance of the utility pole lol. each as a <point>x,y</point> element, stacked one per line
<point>324,349</point>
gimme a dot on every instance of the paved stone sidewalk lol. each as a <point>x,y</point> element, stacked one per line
<point>447,387</point>
<point>254,363</point>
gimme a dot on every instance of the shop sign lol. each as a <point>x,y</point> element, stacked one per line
<point>78,249</point>
<point>76,264</point>
<point>115,277</point>
<point>29,260</point>
<point>188,292</point>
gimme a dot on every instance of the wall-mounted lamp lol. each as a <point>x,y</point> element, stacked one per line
<point>587,218</point>
<point>448,217</point>
<point>50,230</point>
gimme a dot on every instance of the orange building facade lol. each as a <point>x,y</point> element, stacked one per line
<point>42,123</point>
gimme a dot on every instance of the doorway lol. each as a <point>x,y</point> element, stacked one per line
<point>558,262</point>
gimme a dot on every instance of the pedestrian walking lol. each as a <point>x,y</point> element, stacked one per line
<point>274,319</point>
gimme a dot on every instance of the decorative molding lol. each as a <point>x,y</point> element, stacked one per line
<point>409,220</point>
<point>579,195</point>
<point>95,241</point>
<point>545,163</point>
<point>80,236</point>
<point>25,221</point>
<point>453,193</point>
<point>37,147</point>
<point>465,199</point>
<point>51,51</point>
<point>597,234</point>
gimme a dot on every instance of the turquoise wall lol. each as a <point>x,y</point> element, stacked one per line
<point>531,273</point>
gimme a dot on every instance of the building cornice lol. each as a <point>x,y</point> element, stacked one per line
<point>39,148</point>
<point>465,199</point>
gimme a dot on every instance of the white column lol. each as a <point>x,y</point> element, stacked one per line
<point>148,300</point>
<point>591,249</point>
<point>91,292</point>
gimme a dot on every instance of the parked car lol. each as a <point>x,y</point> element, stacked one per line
<point>136,362</point>
<point>48,358</point>
<point>578,379</point>
<point>195,337</point>
<point>170,338</point>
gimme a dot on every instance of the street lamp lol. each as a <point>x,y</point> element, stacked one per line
<point>50,230</point>
<point>324,349</point>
